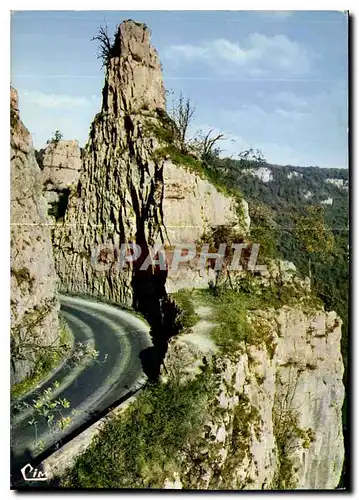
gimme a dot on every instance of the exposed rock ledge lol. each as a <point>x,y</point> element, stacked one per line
<point>275,417</point>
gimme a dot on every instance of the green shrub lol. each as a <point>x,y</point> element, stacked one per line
<point>186,317</point>
<point>48,360</point>
<point>142,446</point>
<point>231,313</point>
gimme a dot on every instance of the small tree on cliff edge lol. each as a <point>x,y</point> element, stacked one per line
<point>313,235</point>
<point>182,114</point>
<point>105,48</point>
<point>204,144</point>
<point>55,138</point>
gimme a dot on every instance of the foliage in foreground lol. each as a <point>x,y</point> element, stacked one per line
<point>148,442</point>
<point>142,446</point>
<point>186,317</point>
<point>48,360</point>
<point>53,411</point>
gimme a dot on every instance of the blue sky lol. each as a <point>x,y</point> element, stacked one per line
<point>275,81</point>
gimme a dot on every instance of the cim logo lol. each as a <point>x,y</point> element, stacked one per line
<point>31,474</point>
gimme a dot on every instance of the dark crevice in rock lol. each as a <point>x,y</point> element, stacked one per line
<point>79,189</point>
<point>58,209</point>
<point>129,128</point>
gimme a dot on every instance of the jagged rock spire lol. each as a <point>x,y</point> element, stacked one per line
<point>134,78</point>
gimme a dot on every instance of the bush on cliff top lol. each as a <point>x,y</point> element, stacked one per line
<point>232,307</point>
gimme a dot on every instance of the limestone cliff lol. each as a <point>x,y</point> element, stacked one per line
<point>274,418</point>
<point>191,205</point>
<point>34,305</point>
<point>127,193</point>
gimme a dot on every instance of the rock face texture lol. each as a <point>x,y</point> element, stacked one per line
<point>60,164</point>
<point>34,305</point>
<point>136,65</point>
<point>340,183</point>
<point>191,205</point>
<point>263,173</point>
<point>127,194</point>
<point>274,419</point>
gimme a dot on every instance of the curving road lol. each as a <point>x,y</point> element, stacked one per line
<point>90,385</point>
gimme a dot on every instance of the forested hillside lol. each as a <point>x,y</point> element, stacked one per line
<point>281,198</point>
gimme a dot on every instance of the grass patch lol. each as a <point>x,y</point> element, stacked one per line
<point>232,311</point>
<point>142,446</point>
<point>179,158</point>
<point>196,166</point>
<point>187,316</point>
<point>47,362</point>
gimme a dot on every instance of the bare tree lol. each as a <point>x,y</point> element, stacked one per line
<point>105,48</point>
<point>206,145</point>
<point>182,114</point>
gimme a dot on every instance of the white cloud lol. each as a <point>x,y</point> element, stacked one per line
<point>289,99</point>
<point>291,114</point>
<point>305,135</point>
<point>258,55</point>
<point>257,120</point>
<point>43,100</point>
<point>282,154</point>
<point>230,145</point>
<point>233,144</point>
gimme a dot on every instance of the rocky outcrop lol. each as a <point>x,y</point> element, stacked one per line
<point>135,64</point>
<point>340,183</point>
<point>127,193</point>
<point>34,305</point>
<point>274,418</point>
<point>263,173</point>
<point>60,164</point>
<point>191,205</point>
<point>120,189</point>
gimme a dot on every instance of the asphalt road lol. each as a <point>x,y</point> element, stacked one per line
<point>90,385</point>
